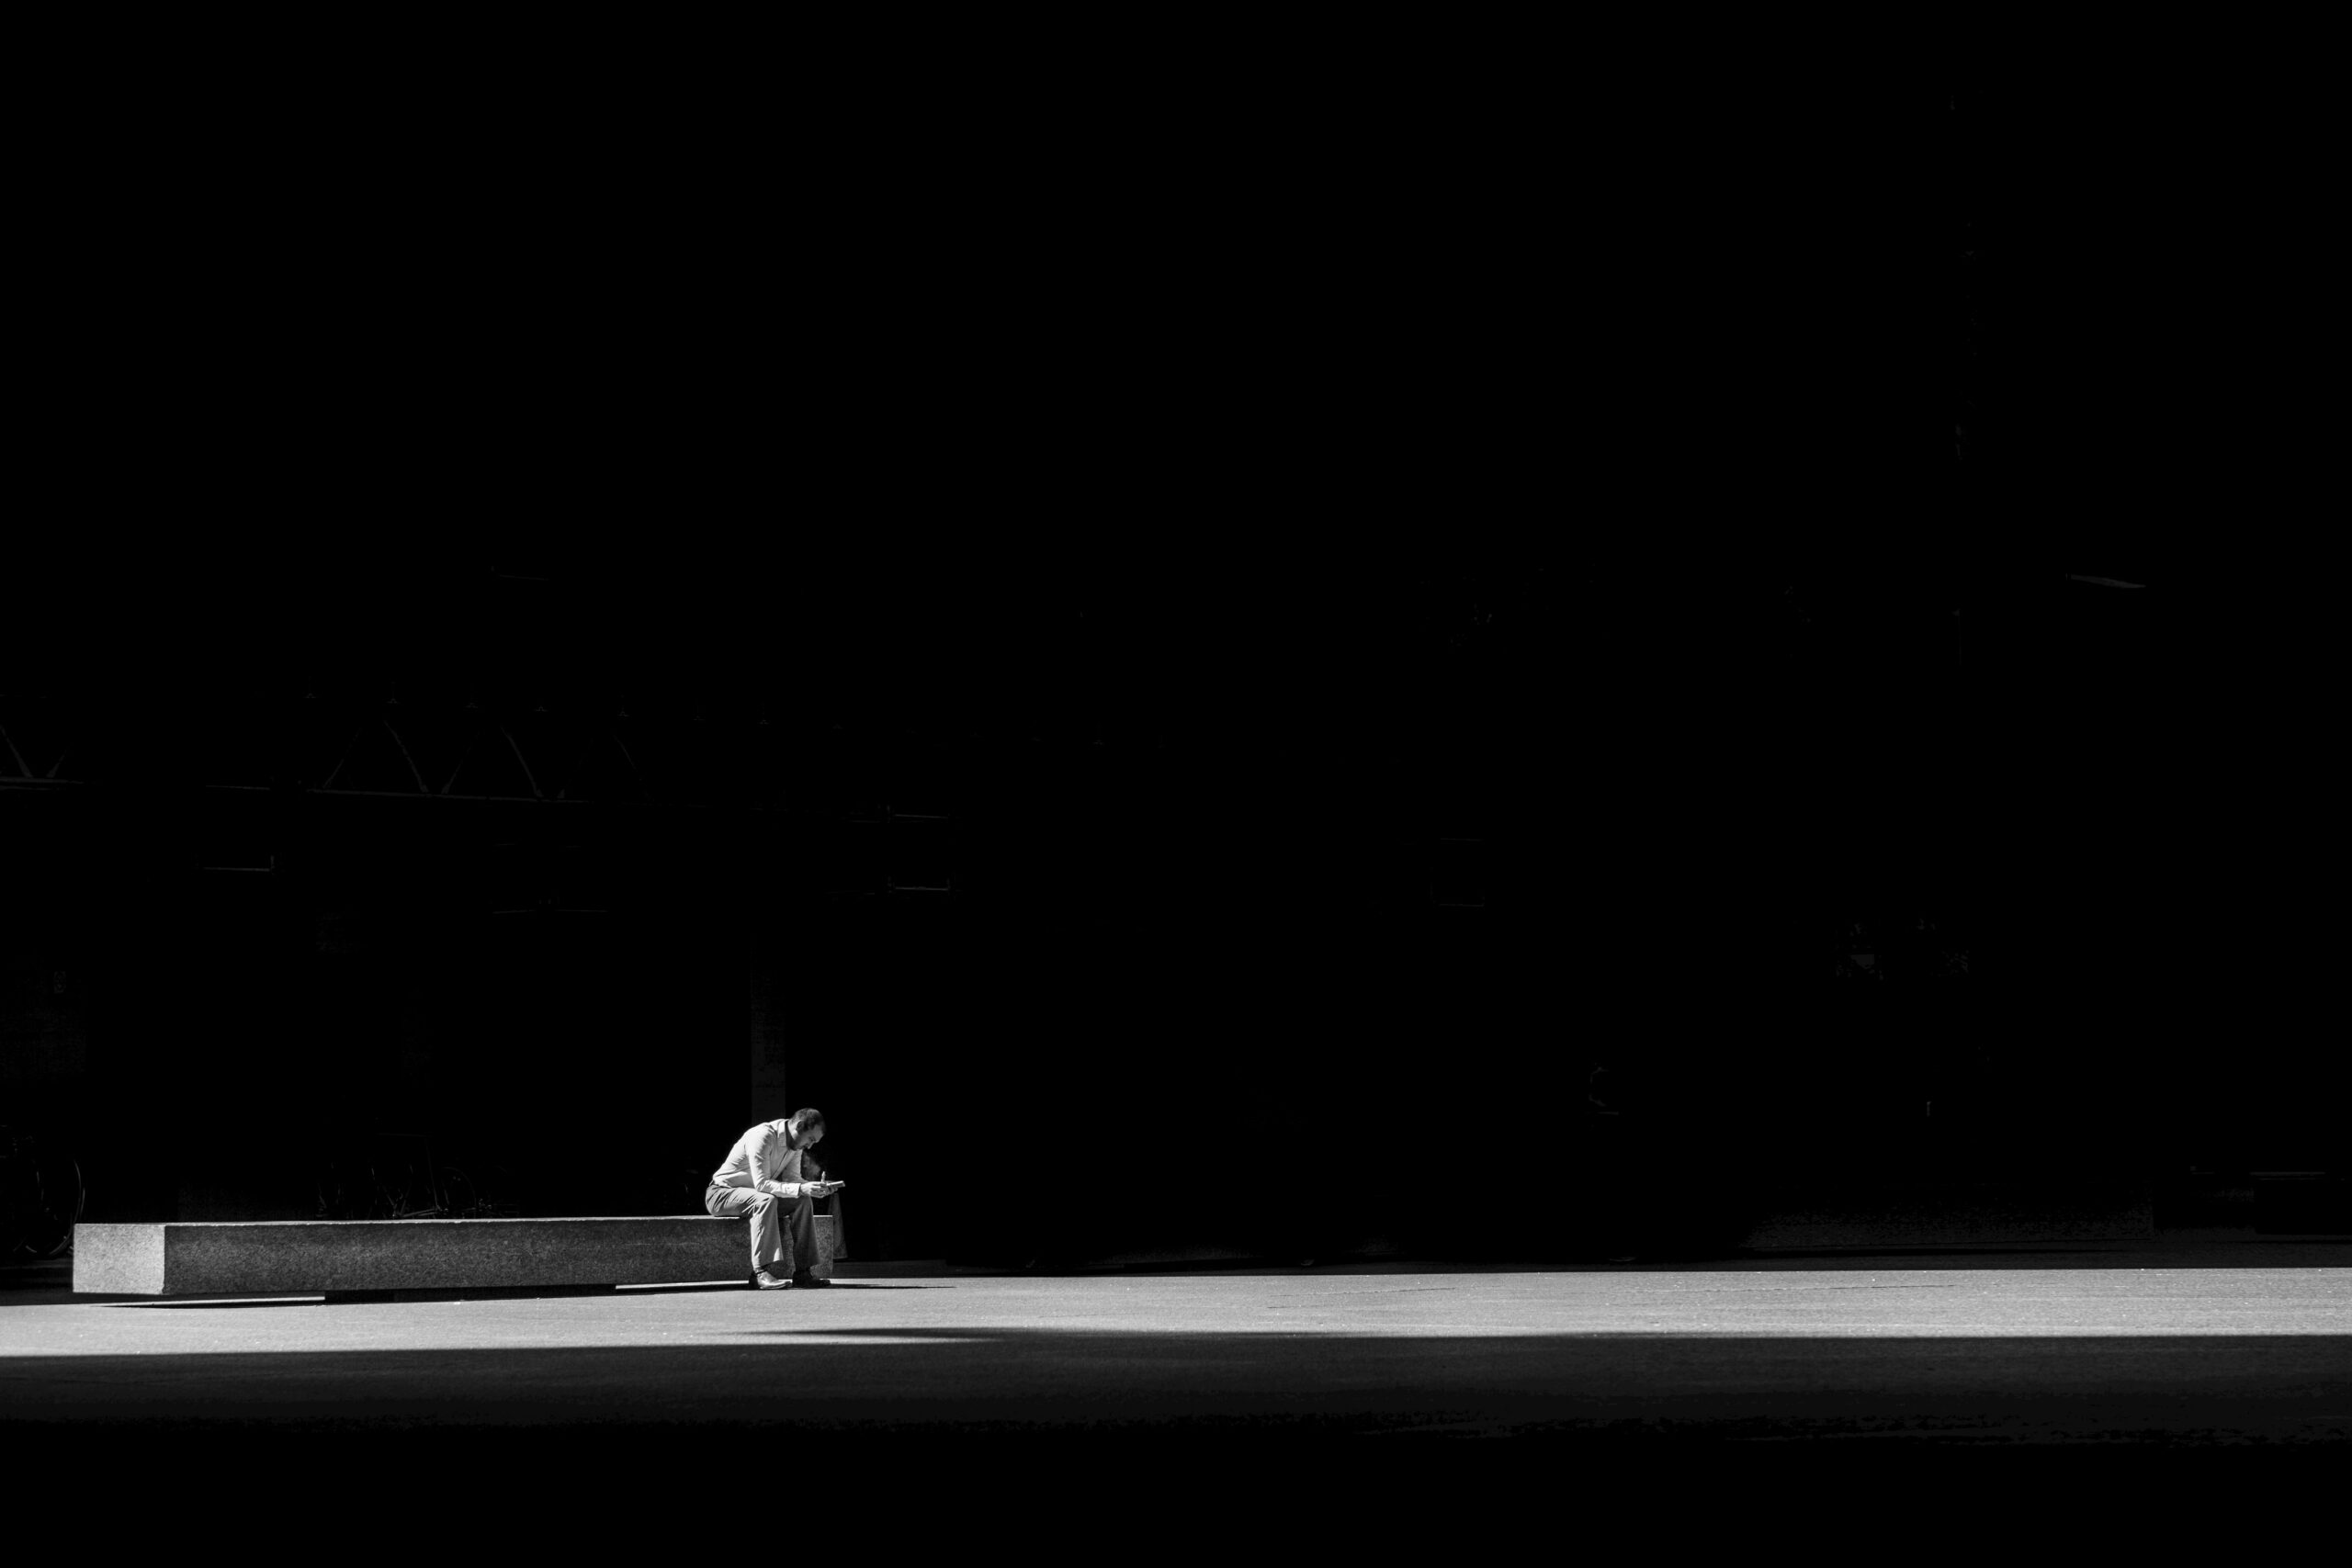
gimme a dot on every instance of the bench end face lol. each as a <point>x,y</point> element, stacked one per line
<point>118,1260</point>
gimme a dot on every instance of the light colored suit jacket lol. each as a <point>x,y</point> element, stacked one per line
<point>761,1161</point>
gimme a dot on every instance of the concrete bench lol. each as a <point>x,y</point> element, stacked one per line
<point>386,1259</point>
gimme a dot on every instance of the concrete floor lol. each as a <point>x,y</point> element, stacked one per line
<point>2217,1344</point>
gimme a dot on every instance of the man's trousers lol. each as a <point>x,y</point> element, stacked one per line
<point>770,1218</point>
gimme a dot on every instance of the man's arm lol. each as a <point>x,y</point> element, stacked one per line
<point>763,1174</point>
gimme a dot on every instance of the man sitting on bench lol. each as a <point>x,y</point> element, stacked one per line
<point>761,1179</point>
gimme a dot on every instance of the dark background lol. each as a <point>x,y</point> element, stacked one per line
<point>1366,626</point>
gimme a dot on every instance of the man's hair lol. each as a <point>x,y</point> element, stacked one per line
<point>802,1120</point>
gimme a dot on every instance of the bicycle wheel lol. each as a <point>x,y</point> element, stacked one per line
<point>457,1195</point>
<point>387,1195</point>
<point>334,1203</point>
<point>57,1200</point>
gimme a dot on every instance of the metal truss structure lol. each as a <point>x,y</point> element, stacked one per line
<point>37,745</point>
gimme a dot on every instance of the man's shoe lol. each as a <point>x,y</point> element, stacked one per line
<point>809,1282</point>
<point>767,1282</point>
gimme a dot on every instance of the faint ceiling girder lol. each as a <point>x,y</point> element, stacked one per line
<point>574,775</point>
<point>26,771</point>
<point>351,749</point>
<point>449,789</point>
<point>569,779</point>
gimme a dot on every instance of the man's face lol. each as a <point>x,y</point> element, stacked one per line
<point>807,1137</point>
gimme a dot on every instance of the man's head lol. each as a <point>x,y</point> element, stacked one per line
<point>805,1129</point>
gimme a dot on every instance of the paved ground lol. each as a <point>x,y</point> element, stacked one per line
<point>2237,1344</point>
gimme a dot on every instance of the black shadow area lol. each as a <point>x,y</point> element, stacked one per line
<point>859,1385</point>
<point>224,1305</point>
